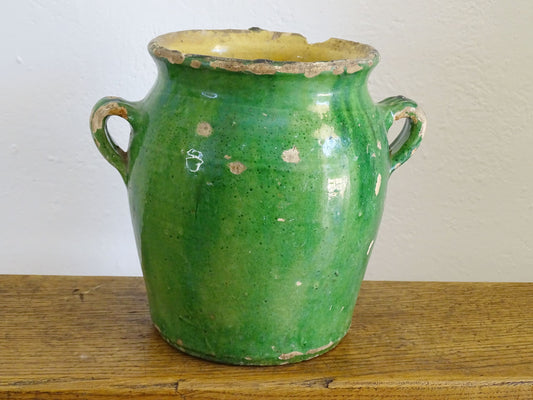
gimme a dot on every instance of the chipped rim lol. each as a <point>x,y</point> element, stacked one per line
<point>265,66</point>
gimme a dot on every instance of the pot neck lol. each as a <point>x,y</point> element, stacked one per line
<point>190,73</point>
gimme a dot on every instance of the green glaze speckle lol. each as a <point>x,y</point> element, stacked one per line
<point>256,201</point>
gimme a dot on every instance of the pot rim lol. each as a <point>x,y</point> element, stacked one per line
<point>287,53</point>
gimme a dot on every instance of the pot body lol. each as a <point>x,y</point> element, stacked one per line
<point>255,201</point>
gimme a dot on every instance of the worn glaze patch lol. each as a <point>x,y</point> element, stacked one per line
<point>291,155</point>
<point>309,70</point>
<point>321,348</point>
<point>204,129</point>
<point>370,247</point>
<point>196,64</point>
<point>416,115</point>
<point>378,184</point>
<point>103,112</point>
<point>292,354</point>
<point>172,56</point>
<point>236,167</point>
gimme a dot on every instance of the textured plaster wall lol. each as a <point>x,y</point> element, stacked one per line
<point>461,209</point>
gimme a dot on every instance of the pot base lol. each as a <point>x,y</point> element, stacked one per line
<point>282,359</point>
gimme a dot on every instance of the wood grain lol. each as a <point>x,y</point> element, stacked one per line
<point>91,338</point>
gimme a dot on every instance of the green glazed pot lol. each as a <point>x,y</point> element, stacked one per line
<point>256,171</point>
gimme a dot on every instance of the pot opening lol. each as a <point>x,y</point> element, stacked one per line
<point>255,46</point>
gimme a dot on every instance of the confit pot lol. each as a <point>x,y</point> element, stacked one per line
<point>256,172</point>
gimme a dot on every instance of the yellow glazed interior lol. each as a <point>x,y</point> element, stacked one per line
<point>261,44</point>
<point>239,50</point>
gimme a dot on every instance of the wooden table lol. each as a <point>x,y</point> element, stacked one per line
<point>91,338</point>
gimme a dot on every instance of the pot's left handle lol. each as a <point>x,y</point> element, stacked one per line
<point>103,109</point>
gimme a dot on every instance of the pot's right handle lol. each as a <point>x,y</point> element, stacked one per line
<point>408,140</point>
<point>102,110</point>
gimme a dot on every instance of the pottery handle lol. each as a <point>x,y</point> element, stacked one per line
<point>409,138</point>
<point>103,109</point>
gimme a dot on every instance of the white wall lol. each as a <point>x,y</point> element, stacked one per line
<point>461,209</point>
